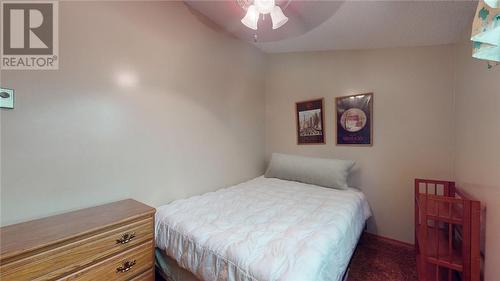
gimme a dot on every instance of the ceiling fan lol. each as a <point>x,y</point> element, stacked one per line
<point>255,8</point>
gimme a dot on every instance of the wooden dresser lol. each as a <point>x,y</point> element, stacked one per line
<point>109,242</point>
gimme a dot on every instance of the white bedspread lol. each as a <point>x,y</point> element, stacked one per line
<point>264,229</point>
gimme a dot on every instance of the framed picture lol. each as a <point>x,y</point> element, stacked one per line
<point>355,120</point>
<point>310,124</point>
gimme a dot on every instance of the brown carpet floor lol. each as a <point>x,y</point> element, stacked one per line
<point>379,260</point>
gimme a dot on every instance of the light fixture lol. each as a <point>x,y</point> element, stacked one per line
<point>278,18</point>
<point>486,32</point>
<point>251,18</point>
<point>493,3</point>
<point>264,7</point>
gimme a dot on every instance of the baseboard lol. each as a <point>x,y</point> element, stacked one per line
<point>388,240</point>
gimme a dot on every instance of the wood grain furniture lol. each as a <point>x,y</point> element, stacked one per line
<point>447,232</point>
<point>107,242</point>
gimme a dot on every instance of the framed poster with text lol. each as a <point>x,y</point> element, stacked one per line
<point>354,119</point>
<point>310,124</point>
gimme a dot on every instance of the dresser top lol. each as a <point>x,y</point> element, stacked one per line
<point>35,234</point>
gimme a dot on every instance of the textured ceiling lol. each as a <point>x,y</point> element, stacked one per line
<point>333,25</point>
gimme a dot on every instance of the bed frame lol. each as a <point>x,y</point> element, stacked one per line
<point>447,232</point>
<point>345,276</point>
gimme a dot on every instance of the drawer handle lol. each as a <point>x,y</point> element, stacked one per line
<point>125,238</point>
<point>126,266</point>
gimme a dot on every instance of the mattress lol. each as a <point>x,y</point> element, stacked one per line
<point>264,229</point>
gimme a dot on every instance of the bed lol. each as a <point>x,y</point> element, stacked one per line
<point>260,230</point>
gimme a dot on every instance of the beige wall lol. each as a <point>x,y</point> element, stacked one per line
<point>194,119</point>
<point>413,132</point>
<point>192,123</point>
<point>477,153</point>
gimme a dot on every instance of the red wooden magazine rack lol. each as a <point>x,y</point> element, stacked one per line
<point>447,232</point>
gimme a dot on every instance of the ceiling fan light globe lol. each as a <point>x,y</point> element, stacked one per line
<point>251,18</point>
<point>278,18</point>
<point>264,6</point>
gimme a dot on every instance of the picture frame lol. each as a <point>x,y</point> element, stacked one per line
<point>354,120</point>
<point>310,122</point>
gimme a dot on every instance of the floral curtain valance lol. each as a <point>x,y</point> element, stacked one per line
<point>486,31</point>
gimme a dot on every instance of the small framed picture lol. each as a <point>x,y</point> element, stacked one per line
<point>310,124</point>
<point>354,120</point>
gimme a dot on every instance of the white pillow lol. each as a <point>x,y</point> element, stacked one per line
<point>331,173</point>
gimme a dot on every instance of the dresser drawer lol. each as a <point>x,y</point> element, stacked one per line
<point>145,276</point>
<point>75,255</point>
<point>123,266</point>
